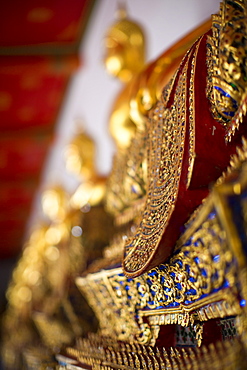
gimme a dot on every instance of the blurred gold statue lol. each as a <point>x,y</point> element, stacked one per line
<point>125,48</point>
<point>78,227</point>
<point>80,160</point>
<point>88,199</point>
<point>61,246</point>
<point>124,59</point>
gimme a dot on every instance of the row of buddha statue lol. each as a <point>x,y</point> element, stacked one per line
<point>142,268</point>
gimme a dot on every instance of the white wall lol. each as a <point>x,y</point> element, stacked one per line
<point>92,91</point>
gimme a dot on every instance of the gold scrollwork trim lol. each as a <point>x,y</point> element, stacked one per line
<point>192,114</point>
<point>227,62</point>
<point>165,163</point>
<point>218,305</point>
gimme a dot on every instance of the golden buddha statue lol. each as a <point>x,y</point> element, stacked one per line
<point>124,59</point>
<point>125,48</point>
<point>87,201</point>
<point>38,305</point>
<point>181,161</point>
<point>80,161</point>
<point>42,288</point>
<point>178,289</point>
<point>179,271</point>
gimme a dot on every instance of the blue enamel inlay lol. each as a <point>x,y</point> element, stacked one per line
<point>242,303</point>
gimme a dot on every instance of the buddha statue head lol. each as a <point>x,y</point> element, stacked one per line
<point>80,156</point>
<point>125,48</point>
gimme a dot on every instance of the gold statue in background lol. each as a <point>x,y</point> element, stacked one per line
<point>125,48</point>
<point>124,59</point>
<point>73,233</point>
<point>88,198</point>
<point>80,161</point>
<point>38,292</point>
<point>197,284</point>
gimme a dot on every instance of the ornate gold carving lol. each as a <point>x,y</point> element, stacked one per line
<point>192,115</point>
<point>166,145</point>
<point>236,163</point>
<point>227,355</point>
<point>127,183</point>
<point>203,265</point>
<point>227,51</point>
<point>172,293</point>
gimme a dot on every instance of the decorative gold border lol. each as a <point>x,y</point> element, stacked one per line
<point>192,154</point>
<point>140,249</point>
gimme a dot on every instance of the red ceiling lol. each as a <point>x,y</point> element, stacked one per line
<point>38,54</point>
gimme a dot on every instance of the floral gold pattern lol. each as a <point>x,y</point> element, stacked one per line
<point>166,147</point>
<point>227,51</point>
<point>198,283</point>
